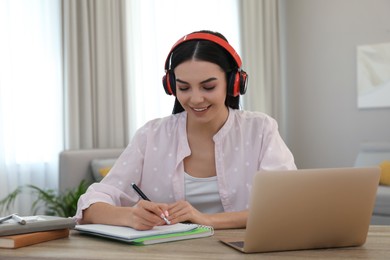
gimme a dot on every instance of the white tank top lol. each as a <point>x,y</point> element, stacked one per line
<point>203,194</point>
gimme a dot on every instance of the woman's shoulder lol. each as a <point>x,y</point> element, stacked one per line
<point>252,116</point>
<point>254,121</point>
<point>167,122</point>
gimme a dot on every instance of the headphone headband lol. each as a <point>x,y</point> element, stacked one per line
<point>209,37</point>
<point>236,79</point>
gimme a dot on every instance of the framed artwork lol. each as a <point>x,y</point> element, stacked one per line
<point>373,75</point>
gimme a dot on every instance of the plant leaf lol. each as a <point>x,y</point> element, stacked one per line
<point>64,205</point>
<point>9,201</point>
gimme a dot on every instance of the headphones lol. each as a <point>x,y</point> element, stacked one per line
<point>237,79</point>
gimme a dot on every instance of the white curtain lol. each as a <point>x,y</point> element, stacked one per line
<point>260,47</point>
<point>30,96</point>
<point>153,27</point>
<point>95,69</point>
<point>103,106</point>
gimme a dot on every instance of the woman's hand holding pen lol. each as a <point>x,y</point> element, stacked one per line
<point>163,212</point>
<point>143,216</point>
<point>147,214</point>
<point>180,211</point>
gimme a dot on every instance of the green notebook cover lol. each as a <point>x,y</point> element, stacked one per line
<point>159,234</point>
<point>201,231</point>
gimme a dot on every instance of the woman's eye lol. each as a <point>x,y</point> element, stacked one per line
<point>182,88</point>
<point>209,88</point>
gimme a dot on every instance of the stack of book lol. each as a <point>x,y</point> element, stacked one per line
<point>15,233</point>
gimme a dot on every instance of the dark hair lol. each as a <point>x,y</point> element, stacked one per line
<point>205,50</point>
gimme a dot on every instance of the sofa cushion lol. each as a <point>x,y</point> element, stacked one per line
<point>101,167</point>
<point>382,204</point>
<point>385,173</point>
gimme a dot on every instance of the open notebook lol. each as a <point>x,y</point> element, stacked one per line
<point>159,234</point>
<point>307,209</point>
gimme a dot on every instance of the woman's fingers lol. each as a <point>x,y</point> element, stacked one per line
<point>182,211</point>
<point>149,214</point>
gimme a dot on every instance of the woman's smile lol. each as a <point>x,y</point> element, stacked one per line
<point>200,109</point>
<point>201,90</point>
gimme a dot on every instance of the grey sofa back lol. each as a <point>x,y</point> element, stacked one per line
<point>75,165</point>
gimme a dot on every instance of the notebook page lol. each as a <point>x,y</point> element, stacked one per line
<point>130,233</point>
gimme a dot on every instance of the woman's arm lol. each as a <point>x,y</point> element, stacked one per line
<point>227,220</point>
<point>143,216</point>
<point>182,211</point>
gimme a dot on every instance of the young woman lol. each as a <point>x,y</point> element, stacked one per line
<point>197,164</point>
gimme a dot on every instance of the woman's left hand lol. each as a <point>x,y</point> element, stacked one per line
<point>182,211</point>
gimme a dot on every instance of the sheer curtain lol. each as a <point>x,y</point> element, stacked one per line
<point>30,96</point>
<point>260,44</point>
<point>106,99</point>
<point>153,27</point>
<point>95,88</point>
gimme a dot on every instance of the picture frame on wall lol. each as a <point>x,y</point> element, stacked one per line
<point>373,75</point>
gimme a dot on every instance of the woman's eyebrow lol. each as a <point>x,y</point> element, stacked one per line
<point>182,81</point>
<point>202,82</point>
<point>208,80</point>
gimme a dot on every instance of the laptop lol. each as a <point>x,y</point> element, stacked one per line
<point>309,209</point>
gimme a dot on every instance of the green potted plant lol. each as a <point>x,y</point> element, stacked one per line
<point>55,204</point>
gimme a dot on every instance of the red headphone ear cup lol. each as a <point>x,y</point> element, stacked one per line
<point>172,83</point>
<point>233,86</point>
<point>237,83</point>
<point>169,82</point>
<point>243,82</point>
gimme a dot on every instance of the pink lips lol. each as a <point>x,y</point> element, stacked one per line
<point>200,109</point>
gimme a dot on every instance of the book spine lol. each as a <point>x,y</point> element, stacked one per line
<point>34,238</point>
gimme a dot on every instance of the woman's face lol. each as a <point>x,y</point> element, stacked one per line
<point>201,90</point>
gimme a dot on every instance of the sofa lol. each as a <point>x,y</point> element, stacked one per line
<point>376,154</point>
<point>90,165</point>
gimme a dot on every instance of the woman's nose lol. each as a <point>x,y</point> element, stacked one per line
<point>197,97</point>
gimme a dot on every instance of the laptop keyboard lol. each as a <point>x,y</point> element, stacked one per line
<point>237,243</point>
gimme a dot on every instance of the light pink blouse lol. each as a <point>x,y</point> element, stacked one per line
<point>248,142</point>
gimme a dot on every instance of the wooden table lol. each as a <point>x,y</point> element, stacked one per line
<point>79,246</point>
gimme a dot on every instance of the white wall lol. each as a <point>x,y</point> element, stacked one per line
<point>324,127</point>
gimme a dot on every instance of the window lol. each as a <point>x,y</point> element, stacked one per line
<point>30,95</point>
<point>154,26</point>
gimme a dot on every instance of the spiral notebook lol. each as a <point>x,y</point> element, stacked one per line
<point>159,234</point>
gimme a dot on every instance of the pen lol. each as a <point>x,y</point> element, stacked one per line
<point>5,218</point>
<point>18,219</point>
<point>144,197</point>
<point>14,217</point>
